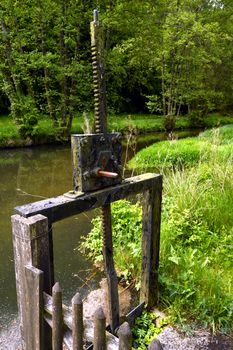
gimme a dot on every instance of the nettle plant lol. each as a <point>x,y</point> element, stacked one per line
<point>127,230</point>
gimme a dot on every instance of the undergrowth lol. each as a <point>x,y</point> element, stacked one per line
<point>196,256</point>
<point>145,330</point>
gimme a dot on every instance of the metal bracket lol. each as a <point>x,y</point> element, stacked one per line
<point>73,194</point>
<point>96,161</point>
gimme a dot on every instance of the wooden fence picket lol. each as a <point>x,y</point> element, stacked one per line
<point>57,318</point>
<point>77,322</point>
<point>125,337</point>
<point>99,330</point>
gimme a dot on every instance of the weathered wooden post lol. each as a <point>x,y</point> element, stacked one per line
<point>125,337</point>
<point>57,318</point>
<point>31,250</point>
<point>151,244</point>
<point>99,330</point>
<point>77,322</point>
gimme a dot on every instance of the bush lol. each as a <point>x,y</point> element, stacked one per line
<point>126,230</point>
<point>196,256</point>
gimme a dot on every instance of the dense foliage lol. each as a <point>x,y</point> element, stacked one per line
<point>170,57</point>
<point>196,262</point>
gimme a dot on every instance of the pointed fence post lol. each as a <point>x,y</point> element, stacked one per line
<point>99,330</point>
<point>31,249</point>
<point>77,322</point>
<point>125,337</point>
<point>57,318</point>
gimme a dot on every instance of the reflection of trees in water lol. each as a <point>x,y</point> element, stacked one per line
<point>45,173</point>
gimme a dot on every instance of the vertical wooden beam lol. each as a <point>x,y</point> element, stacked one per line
<point>57,318</point>
<point>125,337</point>
<point>151,244</point>
<point>113,297</point>
<point>99,330</point>
<point>34,305</point>
<point>48,288</point>
<point>31,247</point>
<point>77,322</point>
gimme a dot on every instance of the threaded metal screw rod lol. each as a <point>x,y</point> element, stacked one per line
<point>98,77</point>
<point>101,127</point>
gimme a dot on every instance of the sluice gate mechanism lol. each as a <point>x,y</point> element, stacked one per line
<point>97,182</point>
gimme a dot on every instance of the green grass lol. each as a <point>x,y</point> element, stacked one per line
<point>8,130</point>
<point>169,154</point>
<point>196,243</point>
<point>185,152</point>
<point>196,255</point>
<point>139,124</point>
<point>224,135</point>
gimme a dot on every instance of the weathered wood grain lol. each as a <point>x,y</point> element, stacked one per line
<point>34,308</point>
<point>57,318</point>
<point>77,322</point>
<point>112,341</point>
<point>99,330</point>
<point>151,244</point>
<point>113,298</point>
<point>133,314</point>
<point>31,248</point>
<point>61,207</point>
<point>125,337</point>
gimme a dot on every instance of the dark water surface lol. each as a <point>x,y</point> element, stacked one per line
<point>28,175</point>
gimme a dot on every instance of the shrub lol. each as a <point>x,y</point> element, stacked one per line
<point>196,256</point>
<point>126,230</point>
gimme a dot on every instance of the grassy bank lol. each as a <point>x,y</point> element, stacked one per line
<point>196,261</point>
<point>185,152</point>
<point>140,123</point>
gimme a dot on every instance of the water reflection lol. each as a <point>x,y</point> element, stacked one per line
<point>26,175</point>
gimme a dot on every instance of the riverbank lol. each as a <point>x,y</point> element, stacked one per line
<point>137,124</point>
<point>196,265</point>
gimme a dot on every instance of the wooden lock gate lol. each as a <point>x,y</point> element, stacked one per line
<point>97,182</point>
<point>33,253</point>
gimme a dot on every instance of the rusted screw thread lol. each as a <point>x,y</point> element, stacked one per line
<point>94,53</point>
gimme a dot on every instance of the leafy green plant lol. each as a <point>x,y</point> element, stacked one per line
<point>127,228</point>
<point>196,259</point>
<point>145,330</point>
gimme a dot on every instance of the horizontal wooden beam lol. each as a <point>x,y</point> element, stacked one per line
<point>61,207</point>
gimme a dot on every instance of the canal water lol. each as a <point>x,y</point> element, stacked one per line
<point>31,174</point>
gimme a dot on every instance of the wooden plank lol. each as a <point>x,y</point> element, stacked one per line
<point>112,341</point>
<point>113,298</point>
<point>125,337</point>
<point>34,305</point>
<point>31,248</point>
<point>57,318</point>
<point>136,312</point>
<point>99,330</point>
<point>77,322</point>
<point>151,244</point>
<point>62,207</point>
<point>51,255</point>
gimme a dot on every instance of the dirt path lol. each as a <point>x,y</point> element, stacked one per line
<point>171,339</point>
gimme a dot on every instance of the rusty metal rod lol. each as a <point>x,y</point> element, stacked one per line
<point>104,173</point>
